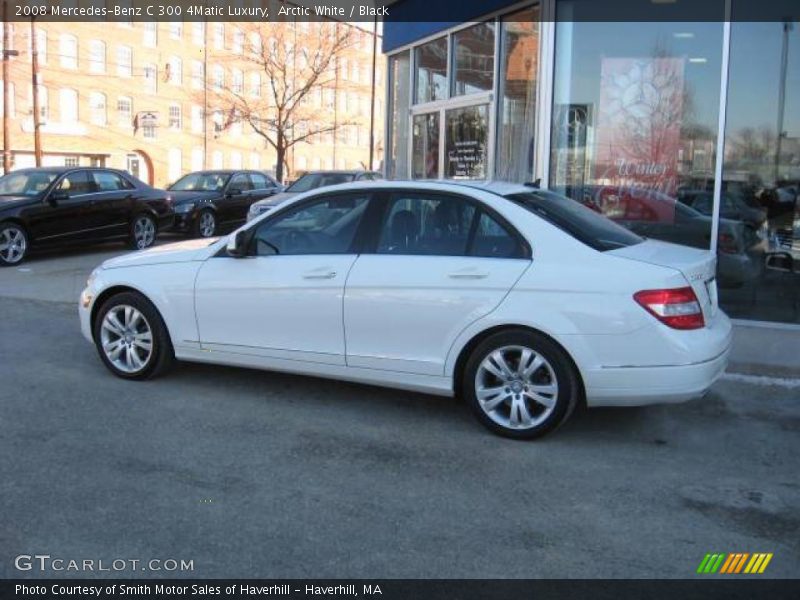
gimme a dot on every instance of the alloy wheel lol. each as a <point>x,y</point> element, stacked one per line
<point>12,245</point>
<point>144,232</point>
<point>207,224</point>
<point>126,338</point>
<point>516,387</point>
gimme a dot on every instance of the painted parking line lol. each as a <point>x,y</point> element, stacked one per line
<point>789,383</point>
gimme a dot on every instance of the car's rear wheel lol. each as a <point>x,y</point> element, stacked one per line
<point>143,231</point>
<point>131,337</point>
<point>520,384</point>
<point>13,244</point>
<point>206,224</point>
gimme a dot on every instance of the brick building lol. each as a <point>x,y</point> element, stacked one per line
<point>140,96</point>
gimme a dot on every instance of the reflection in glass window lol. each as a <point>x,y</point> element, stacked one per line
<point>425,144</point>
<point>326,226</point>
<point>635,116</point>
<point>431,70</point>
<point>467,131</point>
<point>397,159</point>
<point>516,116</point>
<point>473,51</point>
<point>761,174</point>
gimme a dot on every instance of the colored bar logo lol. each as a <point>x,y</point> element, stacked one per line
<point>734,563</point>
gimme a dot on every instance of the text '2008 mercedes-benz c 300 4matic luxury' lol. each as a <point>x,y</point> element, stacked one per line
<point>522,301</point>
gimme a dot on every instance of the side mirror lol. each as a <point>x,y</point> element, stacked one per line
<point>56,196</point>
<point>237,244</point>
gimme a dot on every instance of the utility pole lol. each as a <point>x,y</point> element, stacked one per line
<point>787,27</point>
<point>205,92</point>
<point>372,94</point>
<point>6,94</point>
<point>37,134</point>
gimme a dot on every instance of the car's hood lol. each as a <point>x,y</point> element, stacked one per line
<point>15,201</point>
<point>185,251</point>
<point>276,199</point>
<point>191,196</point>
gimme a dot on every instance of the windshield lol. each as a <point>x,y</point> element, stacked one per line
<point>311,181</point>
<point>26,183</point>
<point>201,182</point>
<point>582,223</point>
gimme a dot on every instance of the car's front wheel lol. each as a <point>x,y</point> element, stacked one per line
<point>143,232</point>
<point>206,224</point>
<point>13,244</point>
<point>131,337</point>
<point>520,384</point>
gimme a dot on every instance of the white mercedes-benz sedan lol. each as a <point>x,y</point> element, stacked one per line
<point>522,301</point>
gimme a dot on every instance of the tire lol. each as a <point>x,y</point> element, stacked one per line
<point>13,244</point>
<point>133,317</point>
<point>205,226</point>
<point>509,404</point>
<point>143,231</point>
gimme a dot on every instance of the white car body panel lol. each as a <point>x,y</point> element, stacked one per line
<point>394,320</point>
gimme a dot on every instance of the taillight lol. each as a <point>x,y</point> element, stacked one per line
<point>677,307</point>
<point>727,243</point>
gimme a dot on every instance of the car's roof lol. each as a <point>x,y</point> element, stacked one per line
<point>501,188</point>
<point>337,172</point>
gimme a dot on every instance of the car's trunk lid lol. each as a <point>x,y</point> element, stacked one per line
<point>698,266</point>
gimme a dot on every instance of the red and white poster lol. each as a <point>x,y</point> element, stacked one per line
<point>639,123</point>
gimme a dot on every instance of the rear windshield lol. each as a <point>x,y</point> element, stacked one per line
<point>582,223</point>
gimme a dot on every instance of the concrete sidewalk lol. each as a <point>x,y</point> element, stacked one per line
<point>769,350</point>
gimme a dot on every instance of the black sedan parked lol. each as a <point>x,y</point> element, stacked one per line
<point>207,202</point>
<point>73,205</point>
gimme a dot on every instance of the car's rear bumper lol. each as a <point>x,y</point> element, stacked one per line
<point>638,386</point>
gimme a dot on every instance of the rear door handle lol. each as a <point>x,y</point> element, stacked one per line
<point>468,275</point>
<point>320,275</point>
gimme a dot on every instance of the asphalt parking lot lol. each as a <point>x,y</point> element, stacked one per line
<point>254,474</point>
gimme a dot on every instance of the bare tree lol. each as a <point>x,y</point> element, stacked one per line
<point>298,82</point>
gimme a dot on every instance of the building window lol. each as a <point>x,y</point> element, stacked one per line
<point>41,46</point>
<point>255,44</point>
<point>466,137</point>
<point>218,77</point>
<point>219,121</point>
<point>237,81</point>
<point>473,51</point>
<point>174,166</point>
<point>425,142</point>
<point>238,41</point>
<point>255,160</point>
<point>760,175</point>
<point>175,70</point>
<point>97,56</point>
<point>68,105</point>
<point>255,85</point>
<point>176,30</point>
<point>124,61</point>
<point>216,159</point>
<point>44,106</point>
<point>236,160</point>
<point>97,108</point>
<point>197,75</point>
<point>150,34</point>
<point>175,121</point>
<point>516,115</point>
<point>68,49</point>
<point>632,104</point>
<point>125,111</point>
<point>219,36</point>
<point>397,150</point>
<point>72,161</point>
<point>199,33</point>
<point>197,159</point>
<point>431,71</point>
<point>149,132</point>
<point>150,73</point>
<point>197,119</point>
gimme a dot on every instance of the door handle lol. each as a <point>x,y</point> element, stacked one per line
<point>468,275</point>
<point>320,275</point>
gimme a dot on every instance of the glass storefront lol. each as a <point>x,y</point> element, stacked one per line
<point>624,117</point>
